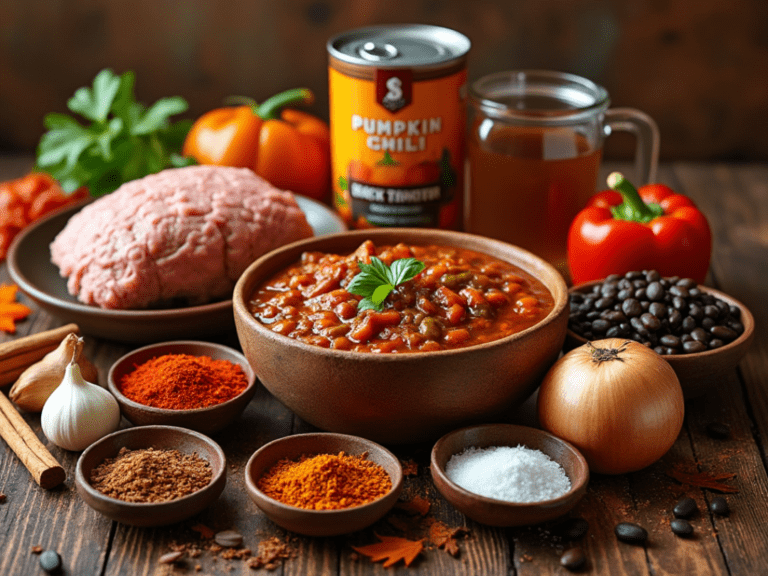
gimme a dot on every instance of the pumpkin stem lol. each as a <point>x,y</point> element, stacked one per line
<point>600,355</point>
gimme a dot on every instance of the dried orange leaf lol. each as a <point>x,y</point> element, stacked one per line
<point>8,293</point>
<point>392,549</point>
<point>416,505</point>
<point>204,531</point>
<point>10,310</point>
<point>705,480</point>
<point>443,536</point>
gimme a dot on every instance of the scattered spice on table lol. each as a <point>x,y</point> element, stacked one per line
<point>151,475</point>
<point>326,481</point>
<point>204,531</point>
<point>183,382</point>
<point>10,310</point>
<point>512,474</point>
<point>3,498</point>
<point>271,553</point>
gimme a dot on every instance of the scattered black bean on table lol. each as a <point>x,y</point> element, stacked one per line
<point>719,506</point>
<point>573,559</point>
<point>50,561</point>
<point>681,527</point>
<point>671,315</point>
<point>718,430</point>
<point>685,508</point>
<point>631,533</point>
<point>573,528</point>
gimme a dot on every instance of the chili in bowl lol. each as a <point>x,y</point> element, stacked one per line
<point>463,340</point>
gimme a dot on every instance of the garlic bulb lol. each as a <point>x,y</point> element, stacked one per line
<point>78,413</point>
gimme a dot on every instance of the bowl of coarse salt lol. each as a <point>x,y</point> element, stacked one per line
<point>508,475</point>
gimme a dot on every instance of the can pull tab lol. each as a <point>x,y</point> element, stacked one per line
<point>378,52</point>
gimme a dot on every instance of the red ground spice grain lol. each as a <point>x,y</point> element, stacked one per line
<point>326,481</point>
<point>183,382</point>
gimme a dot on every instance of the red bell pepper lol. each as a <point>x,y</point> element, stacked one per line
<point>625,229</point>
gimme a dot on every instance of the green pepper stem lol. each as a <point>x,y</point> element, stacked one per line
<point>632,208</point>
<point>270,108</point>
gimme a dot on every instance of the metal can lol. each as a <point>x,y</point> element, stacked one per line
<point>397,109</point>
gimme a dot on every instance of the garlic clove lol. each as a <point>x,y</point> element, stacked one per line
<point>78,413</point>
<point>37,382</point>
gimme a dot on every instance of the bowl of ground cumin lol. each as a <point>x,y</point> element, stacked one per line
<point>198,385</point>
<point>323,484</point>
<point>151,475</point>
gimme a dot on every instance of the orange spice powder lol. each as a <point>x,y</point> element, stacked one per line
<point>183,382</point>
<point>326,481</point>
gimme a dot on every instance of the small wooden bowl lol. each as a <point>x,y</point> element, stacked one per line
<point>160,437</point>
<point>207,420</point>
<point>322,522</point>
<point>495,512</point>
<point>699,372</point>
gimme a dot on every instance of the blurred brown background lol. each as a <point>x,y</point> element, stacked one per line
<point>699,67</point>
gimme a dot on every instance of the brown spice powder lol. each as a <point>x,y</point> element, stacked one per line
<point>151,475</point>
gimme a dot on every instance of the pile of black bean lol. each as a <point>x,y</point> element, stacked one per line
<point>671,315</point>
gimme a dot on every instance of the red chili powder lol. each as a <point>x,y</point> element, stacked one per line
<point>183,382</point>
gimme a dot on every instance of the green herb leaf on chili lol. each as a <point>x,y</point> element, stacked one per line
<point>376,280</point>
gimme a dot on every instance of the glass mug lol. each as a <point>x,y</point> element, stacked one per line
<point>534,150</point>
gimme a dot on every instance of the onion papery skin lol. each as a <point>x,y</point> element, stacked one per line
<point>623,415</point>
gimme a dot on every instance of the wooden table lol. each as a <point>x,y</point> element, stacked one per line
<point>735,198</point>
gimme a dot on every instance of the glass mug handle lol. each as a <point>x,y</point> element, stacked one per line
<point>647,135</point>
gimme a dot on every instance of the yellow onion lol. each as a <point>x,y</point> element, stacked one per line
<point>617,401</point>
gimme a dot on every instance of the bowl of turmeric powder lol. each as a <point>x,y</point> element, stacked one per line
<point>202,386</point>
<point>323,484</point>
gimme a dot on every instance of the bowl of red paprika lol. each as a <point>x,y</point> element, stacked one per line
<point>202,386</point>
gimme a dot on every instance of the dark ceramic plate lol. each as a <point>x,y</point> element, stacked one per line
<point>161,437</point>
<point>30,267</point>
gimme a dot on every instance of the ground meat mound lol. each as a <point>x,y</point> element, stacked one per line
<point>180,236</point>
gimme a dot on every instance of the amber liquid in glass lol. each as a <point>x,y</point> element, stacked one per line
<point>527,184</point>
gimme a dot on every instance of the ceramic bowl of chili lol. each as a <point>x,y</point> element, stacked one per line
<point>290,480</point>
<point>698,372</point>
<point>454,346</point>
<point>202,386</point>
<point>159,438</point>
<point>496,511</point>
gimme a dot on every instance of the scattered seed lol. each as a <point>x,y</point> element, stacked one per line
<point>686,508</point>
<point>631,533</point>
<point>681,527</point>
<point>171,557</point>
<point>228,538</point>
<point>36,549</point>
<point>573,528</point>
<point>719,506</point>
<point>573,559</point>
<point>3,498</point>
<point>50,561</point>
<point>718,431</point>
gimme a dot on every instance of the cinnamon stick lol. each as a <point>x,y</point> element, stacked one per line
<point>45,470</point>
<point>17,355</point>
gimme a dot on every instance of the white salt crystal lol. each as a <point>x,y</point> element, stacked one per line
<point>517,474</point>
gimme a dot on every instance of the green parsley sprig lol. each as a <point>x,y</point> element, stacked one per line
<point>376,280</point>
<point>125,140</point>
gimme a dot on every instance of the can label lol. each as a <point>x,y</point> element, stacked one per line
<point>397,148</point>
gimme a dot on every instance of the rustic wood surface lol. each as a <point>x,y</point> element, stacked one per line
<point>735,198</point>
